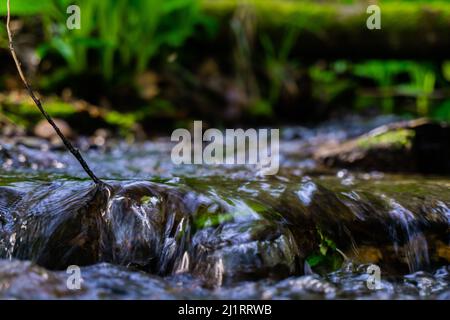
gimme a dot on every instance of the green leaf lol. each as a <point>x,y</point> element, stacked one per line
<point>314,259</point>
<point>330,243</point>
<point>323,249</point>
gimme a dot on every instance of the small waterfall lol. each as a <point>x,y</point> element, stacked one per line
<point>415,244</point>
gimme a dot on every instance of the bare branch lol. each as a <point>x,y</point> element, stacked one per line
<point>38,103</point>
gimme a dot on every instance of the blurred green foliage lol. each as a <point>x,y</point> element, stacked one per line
<point>26,7</point>
<point>277,62</point>
<point>120,39</point>
<point>119,33</point>
<point>420,84</point>
<point>416,88</point>
<point>25,113</point>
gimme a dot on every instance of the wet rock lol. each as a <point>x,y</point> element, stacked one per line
<point>24,280</point>
<point>10,129</point>
<point>349,282</point>
<point>411,146</point>
<point>311,287</point>
<point>155,228</point>
<point>54,226</point>
<point>145,225</point>
<point>366,254</point>
<point>28,153</point>
<point>442,251</point>
<point>44,130</point>
<point>59,224</point>
<point>172,231</point>
<point>100,137</point>
<point>221,235</point>
<point>232,252</point>
<point>402,228</point>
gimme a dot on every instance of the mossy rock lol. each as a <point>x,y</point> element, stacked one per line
<point>412,146</point>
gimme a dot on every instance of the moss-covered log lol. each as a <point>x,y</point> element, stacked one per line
<point>408,29</point>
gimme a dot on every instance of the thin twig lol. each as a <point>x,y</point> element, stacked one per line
<point>38,103</point>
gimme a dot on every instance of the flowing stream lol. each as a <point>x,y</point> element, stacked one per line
<point>161,231</point>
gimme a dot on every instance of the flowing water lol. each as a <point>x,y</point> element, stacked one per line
<point>177,232</point>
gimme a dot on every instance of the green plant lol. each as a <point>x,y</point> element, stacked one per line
<point>328,257</point>
<point>327,85</point>
<point>383,73</point>
<point>421,85</point>
<point>277,63</point>
<point>425,80</point>
<point>118,33</point>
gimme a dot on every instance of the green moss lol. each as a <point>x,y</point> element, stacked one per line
<point>26,7</point>
<point>25,113</point>
<point>146,200</point>
<point>399,139</point>
<point>122,120</point>
<point>319,17</point>
<point>208,219</point>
